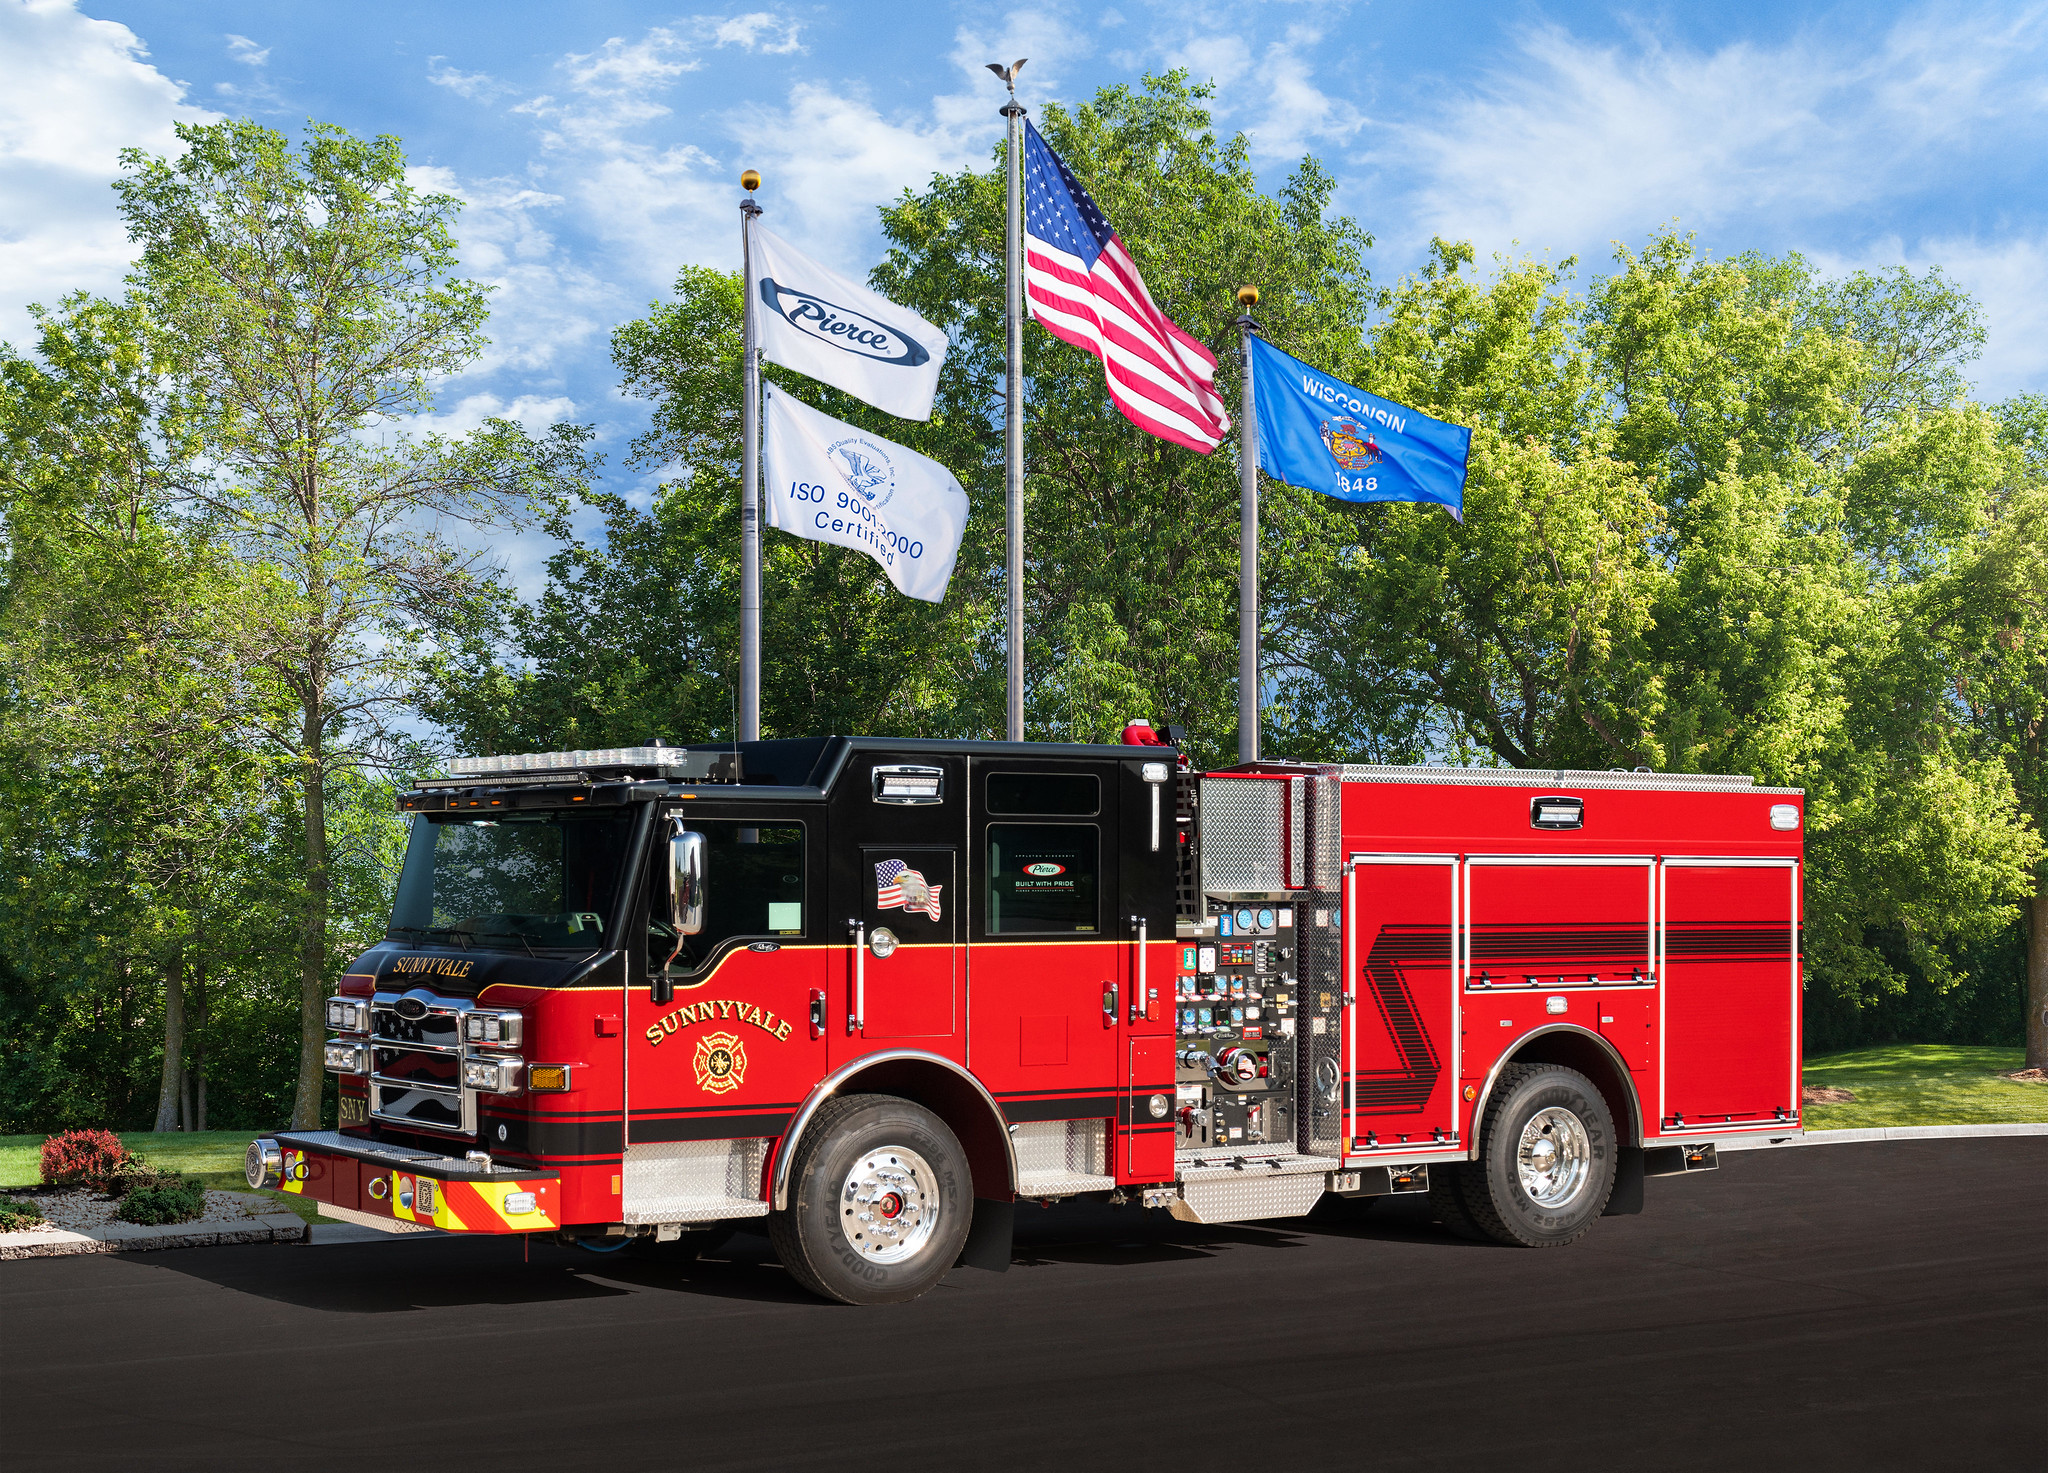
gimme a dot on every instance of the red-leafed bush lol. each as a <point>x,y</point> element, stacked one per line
<point>83,1158</point>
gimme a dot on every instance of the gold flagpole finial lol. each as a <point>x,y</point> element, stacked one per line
<point>750,180</point>
<point>1247,297</point>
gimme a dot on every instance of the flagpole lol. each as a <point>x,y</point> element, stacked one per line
<point>1013,412</point>
<point>1247,543</point>
<point>750,479</point>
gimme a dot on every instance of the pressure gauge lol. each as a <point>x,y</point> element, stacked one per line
<point>1244,920</point>
<point>1265,920</point>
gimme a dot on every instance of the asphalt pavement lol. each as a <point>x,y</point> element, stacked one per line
<point>1869,1306</point>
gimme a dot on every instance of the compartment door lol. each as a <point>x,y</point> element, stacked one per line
<point>911,895</point>
<point>1400,1067</point>
<point>1731,991</point>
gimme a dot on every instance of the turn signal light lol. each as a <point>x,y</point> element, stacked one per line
<point>547,1078</point>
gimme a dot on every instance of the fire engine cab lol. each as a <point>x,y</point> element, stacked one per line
<point>878,991</point>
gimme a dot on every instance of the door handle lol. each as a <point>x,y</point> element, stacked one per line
<point>858,1018</point>
<point>817,1012</point>
<point>1109,1004</point>
<point>1138,993</point>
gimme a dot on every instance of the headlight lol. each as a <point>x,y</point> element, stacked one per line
<point>348,1014</point>
<point>501,1029</point>
<point>344,1057</point>
<point>491,1076</point>
<point>262,1163</point>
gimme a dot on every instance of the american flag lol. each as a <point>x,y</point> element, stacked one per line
<point>899,887</point>
<point>1084,288</point>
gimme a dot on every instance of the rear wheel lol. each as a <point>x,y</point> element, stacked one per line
<point>880,1202</point>
<point>1546,1159</point>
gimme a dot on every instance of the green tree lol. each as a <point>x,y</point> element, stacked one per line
<point>128,699</point>
<point>313,295</point>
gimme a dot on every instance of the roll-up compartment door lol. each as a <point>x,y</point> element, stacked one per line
<point>1731,991</point>
<point>1401,1042</point>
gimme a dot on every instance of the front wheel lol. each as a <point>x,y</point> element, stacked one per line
<point>880,1202</point>
<point>1546,1159</point>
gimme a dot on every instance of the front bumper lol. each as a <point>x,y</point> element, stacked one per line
<point>408,1186</point>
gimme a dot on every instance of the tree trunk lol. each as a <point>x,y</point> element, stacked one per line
<point>174,1043</point>
<point>313,940</point>
<point>2037,974</point>
<point>198,1029</point>
<point>187,1117</point>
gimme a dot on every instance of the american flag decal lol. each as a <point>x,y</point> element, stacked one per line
<point>899,887</point>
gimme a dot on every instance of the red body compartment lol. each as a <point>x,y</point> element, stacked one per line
<point>1653,944</point>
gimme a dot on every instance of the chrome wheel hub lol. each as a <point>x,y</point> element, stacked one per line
<point>1554,1157</point>
<point>889,1205</point>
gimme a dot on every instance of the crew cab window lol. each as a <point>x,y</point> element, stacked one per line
<point>1042,878</point>
<point>753,888</point>
<point>1034,793</point>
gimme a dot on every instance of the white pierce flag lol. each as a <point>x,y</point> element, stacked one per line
<point>833,482</point>
<point>817,322</point>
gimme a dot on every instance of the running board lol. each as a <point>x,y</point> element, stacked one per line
<point>1244,1187</point>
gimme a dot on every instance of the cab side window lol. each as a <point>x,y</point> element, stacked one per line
<point>754,889</point>
<point>1042,879</point>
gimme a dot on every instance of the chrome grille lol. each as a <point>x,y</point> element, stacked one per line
<point>416,1063</point>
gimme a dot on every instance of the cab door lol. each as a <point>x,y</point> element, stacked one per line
<point>910,910</point>
<point>720,1035</point>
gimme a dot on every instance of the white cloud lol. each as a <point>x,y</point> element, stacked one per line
<point>242,49</point>
<point>472,86</point>
<point>617,67</point>
<point>2005,276</point>
<point>533,411</point>
<point>545,307</point>
<point>73,92</point>
<point>747,31</point>
<point>1568,142</point>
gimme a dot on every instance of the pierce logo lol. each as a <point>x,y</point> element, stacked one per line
<point>1044,870</point>
<point>721,1062</point>
<point>842,327</point>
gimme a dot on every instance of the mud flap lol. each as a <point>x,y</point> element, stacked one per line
<point>989,1242</point>
<point>1627,1196</point>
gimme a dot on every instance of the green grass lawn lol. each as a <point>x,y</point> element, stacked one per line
<point>214,1157</point>
<point>1924,1084</point>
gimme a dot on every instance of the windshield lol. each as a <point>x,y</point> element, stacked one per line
<point>512,882</point>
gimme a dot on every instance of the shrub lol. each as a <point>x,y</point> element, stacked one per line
<point>14,1216</point>
<point>168,1198</point>
<point>83,1158</point>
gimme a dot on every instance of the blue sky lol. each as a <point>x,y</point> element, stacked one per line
<point>598,144</point>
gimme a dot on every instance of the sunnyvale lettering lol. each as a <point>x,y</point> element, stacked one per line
<point>715,1010</point>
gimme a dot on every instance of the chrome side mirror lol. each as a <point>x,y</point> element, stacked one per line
<point>685,881</point>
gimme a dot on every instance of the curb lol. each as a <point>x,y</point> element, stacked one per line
<point>1881,1133</point>
<point>130,1237</point>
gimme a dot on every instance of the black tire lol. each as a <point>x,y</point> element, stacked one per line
<point>820,1237</point>
<point>1492,1187</point>
<point>1447,1200</point>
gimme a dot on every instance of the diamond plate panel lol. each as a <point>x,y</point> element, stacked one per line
<point>1241,819</point>
<point>1286,1187</point>
<point>693,1181</point>
<point>1061,1147</point>
<point>1297,831</point>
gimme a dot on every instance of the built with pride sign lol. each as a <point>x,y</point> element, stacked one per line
<point>1322,434</point>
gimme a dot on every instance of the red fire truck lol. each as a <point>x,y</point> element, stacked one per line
<point>877,992</point>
